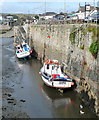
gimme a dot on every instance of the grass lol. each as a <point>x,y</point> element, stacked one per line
<point>73,35</point>
<point>95,32</point>
<point>82,47</point>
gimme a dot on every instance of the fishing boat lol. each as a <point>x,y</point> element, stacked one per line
<point>23,50</point>
<point>52,75</point>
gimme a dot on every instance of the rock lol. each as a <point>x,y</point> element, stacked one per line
<point>8,76</point>
<point>60,90</point>
<point>3,117</point>
<point>10,99</point>
<point>9,95</point>
<point>22,100</point>
<point>10,102</point>
<point>3,108</point>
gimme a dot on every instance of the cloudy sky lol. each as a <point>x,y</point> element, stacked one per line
<point>38,6</point>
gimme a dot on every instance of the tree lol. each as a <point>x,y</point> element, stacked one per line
<point>61,13</point>
<point>37,17</point>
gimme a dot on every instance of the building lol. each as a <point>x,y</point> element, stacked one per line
<point>9,17</point>
<point>60,16</point>
<point>85,11</point>
<point>72,17</point>
<point>2,18</point>
<point>47,15</point>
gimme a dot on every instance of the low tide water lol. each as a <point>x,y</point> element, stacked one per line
<point>41,101</point>
<point>45,102</point>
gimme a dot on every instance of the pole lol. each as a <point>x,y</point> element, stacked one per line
<point>85,9</point>
<point>45,6</point>
<point>64,6</point>
<point>45,11</point>
<point>94,4</point>
<point>64,9</point>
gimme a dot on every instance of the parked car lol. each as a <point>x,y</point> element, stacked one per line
<point>93,18</point>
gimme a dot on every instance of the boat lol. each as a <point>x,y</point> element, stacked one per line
<point>23,50</point>
<point>52,75</point>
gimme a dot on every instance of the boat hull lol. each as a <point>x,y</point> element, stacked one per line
<point>23,55</point>
<point>56,84</point>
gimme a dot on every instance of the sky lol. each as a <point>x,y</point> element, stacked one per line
<point>40,6</point>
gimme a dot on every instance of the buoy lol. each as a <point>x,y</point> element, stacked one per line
<point>30,51</point>
<point>40,73</point>
<point>72,83</point>
<point>40,86</point>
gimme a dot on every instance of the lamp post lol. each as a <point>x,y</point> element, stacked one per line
<point>94,4</point>
<point>85,9</point>
<point>64,6</point>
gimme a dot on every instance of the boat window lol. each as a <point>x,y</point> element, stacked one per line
<point>24,45</point>
<point>45,74</point>
<point>62,69</point>
<point>49,75</point>
<point>17,51</point>
<point>47,66</point>
<point>21,46</point>
<point>59,80</point>
<point>52,67</point>
<point>18,47</point>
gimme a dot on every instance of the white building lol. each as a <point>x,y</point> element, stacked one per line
<point>10,17</point>
<point>85,11</point>
<point>1,18</point>
<point>47,15</point>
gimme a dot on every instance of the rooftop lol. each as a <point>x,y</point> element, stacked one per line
<point>48,13</point>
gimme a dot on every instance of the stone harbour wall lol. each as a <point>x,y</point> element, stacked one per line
<point>70,44</point>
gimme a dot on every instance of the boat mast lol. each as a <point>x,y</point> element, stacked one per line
<point>64,6</point>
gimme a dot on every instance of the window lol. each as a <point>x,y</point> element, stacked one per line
<point>48,66</point>
<point>24,45</point>
<point>52,67</point>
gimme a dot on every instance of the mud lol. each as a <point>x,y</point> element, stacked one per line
<point>11,76</point>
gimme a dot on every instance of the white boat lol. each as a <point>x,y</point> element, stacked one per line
<point>53,75</point>
<point>23,50</point>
